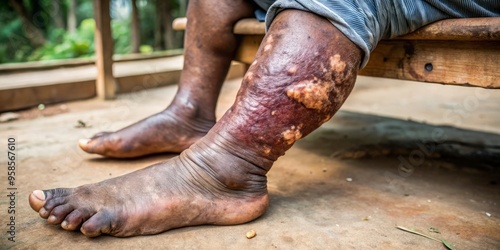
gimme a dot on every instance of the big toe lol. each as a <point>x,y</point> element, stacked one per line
<point>104,143</point>
<point>85,145</point>
<point>100,134</point>
<point>93,146</point>
<point>37,200</point>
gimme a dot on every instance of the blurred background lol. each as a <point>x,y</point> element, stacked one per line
<point>38,30</point>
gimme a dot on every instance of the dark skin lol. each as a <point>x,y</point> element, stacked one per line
<point>209,41</point>
<point>295,84</point>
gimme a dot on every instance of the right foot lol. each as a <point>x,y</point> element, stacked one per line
<point>206,184</point>
<point>170,131</point>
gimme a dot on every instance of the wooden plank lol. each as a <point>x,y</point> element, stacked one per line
<point>29,95</point>
<point>135,83</point>
<point>249,44</point>
<point>25,97</point>
<point>138,82</point>
<point>246,26</point>
<point>464,29</point>
<point>105,84</point>
<point>466,63</point>
<point>76,62</point>
<point>249,26</point>
<point>454,51</point>
<point>469,29</point>
<point>179,23</point>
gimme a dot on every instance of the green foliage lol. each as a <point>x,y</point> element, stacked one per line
<point>15,46</point>
<point>146,49</point>
<point>84,10</point>
<point>121,36</point>
<point>63,45</point>
<point>68,45</point>
<point>147,21</point>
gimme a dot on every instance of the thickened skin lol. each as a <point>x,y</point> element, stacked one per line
<point>299,79</point>
<point>303,72</point>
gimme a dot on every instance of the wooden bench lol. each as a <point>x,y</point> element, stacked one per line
<point>462,52</point>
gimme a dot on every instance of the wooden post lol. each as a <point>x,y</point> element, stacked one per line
<point>135,33</point>
<point>105,83</point>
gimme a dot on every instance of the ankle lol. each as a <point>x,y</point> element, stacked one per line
<point>193,110</point>
<point>232,166</point>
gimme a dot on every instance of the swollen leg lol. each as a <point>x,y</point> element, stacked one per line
<point>209,47</point>
<point>303,73</point>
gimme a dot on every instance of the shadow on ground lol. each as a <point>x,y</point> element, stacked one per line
<point>345,186</point>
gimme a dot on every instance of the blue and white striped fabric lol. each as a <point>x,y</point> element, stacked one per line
<point>366,22</point>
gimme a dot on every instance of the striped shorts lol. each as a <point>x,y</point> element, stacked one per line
<point>366,22</point>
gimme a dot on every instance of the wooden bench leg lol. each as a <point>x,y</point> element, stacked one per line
<point>105,83</point>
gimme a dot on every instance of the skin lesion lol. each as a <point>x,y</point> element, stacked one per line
<point>336,64</point>
<point>316,93</point>
<point>269,43</point>
<point>313,94</point>
<point>266,150</point>
<point>249,76</point>
<point>292,70</point>
<point>291,135</point>
<point>270,39</point>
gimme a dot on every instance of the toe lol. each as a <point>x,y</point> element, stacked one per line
<point>102,143</point>
<point>59,213</point>
<point>99,135</point>
<point>86,145</point>
<point>74,219</point>
<point>55,197</point>
<point>37,200</point>
<point>97,224</point>
<point>44,201</point>
<point>92,145</point>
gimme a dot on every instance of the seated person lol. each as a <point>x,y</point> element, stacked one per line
<point>304,70</point>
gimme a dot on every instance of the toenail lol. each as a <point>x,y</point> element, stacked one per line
<point>43,212</point>
<point>64,224</point>
<point>52,218</point>
<point>39,194</point>
<point>83,141</point>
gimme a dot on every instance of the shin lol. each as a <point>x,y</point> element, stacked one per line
<point>302,74</point>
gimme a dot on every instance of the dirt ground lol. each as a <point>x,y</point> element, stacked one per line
<point>421,156</point>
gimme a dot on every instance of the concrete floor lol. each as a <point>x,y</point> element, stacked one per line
<point>373,167</point>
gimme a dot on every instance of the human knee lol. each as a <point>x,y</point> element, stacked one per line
<point>220,12</point>
<point>211,23</point>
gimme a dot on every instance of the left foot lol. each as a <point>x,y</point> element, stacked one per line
<point>170,131</point>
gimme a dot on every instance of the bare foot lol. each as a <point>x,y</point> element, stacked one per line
<point>171,130</point>
<point>182,191</point>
